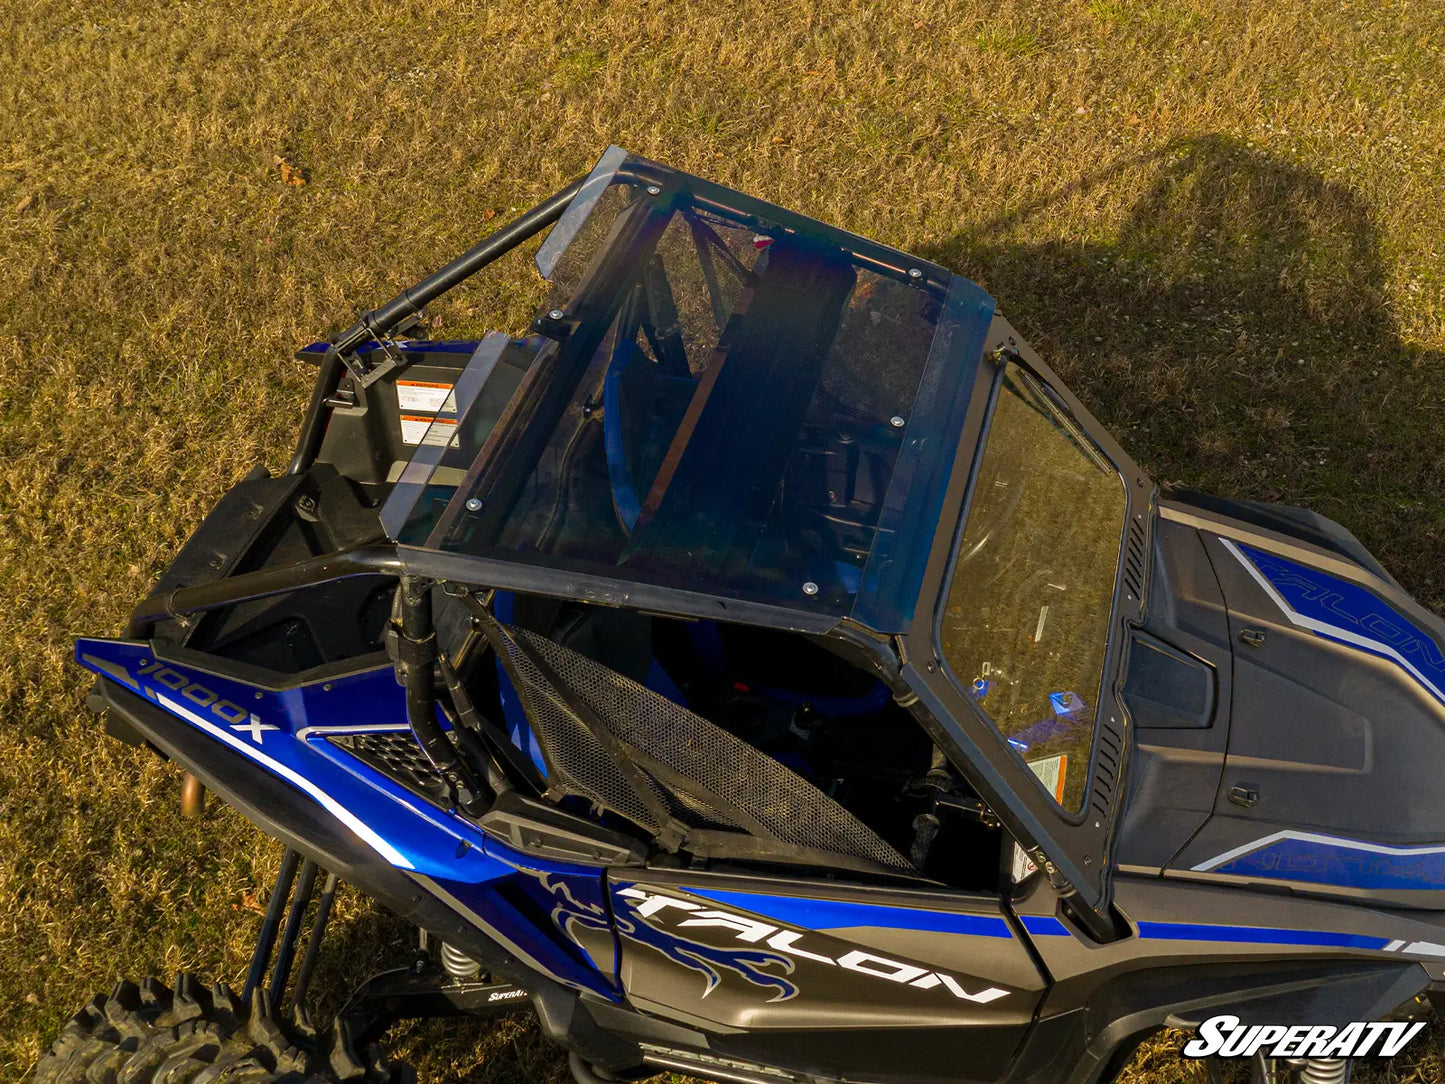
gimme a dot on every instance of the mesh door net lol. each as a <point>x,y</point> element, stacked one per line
<point>730,798</point>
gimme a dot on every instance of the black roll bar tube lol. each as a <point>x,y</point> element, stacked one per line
<point>376,323</point>
<point>367,560</point>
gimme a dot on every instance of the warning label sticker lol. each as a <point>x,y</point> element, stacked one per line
<point>1023,865</point>
<point>420,395</point>
<point>1050,771</point>
<point>424,429</point>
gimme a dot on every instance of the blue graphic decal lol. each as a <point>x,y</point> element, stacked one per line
<point>573,897</point>
<point>1321,859</point>
<point>1346,613</point>
<point>708,961</point>
<point>823,915</point>
<point>1044,926</point>
<point>1257,935</point>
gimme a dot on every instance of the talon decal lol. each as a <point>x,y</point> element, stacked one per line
<point>666,915</point>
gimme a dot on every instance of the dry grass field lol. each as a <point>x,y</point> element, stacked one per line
<point>1222,223</point>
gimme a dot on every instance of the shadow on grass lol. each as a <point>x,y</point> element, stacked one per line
<point>1235,333</point>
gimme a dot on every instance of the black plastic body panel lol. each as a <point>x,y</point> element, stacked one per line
<point>1104,998</point>
<point>1165,688</point>
<point>840,1024</point>
<point>234,527</point>
<point>543,831</point>
<point>263,522</point>
<point>365,442</point>
<point>1175,770</point>
<point>1328,739</point>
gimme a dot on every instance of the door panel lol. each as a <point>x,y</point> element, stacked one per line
<point>808,970</point>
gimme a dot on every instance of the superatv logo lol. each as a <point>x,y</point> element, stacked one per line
<point>673,914</point>
<point>1226,1037</point>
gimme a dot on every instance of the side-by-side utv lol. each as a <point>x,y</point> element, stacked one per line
<point>765,669</point>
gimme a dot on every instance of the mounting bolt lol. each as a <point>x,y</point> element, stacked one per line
<point>474,504</point>
<point>810,588</point>
<point>326,688</point>
<point>653,190</point>
<point>897,421</point>
<point>556,314</point>
<point>915,273</point>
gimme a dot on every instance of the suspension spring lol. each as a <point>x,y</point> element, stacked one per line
<point>458,964</point>
<point>1325,1071</point>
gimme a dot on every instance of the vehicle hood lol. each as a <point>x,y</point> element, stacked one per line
<point>1328,735</point>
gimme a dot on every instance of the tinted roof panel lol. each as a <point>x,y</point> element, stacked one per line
<point>720,397</point>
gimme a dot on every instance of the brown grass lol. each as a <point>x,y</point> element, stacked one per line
<point>1221,222</point>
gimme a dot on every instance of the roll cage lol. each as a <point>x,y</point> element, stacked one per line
<point>603,316</point>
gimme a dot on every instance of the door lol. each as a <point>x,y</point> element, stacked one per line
<point>1018,639</point>
<point>827,978</point>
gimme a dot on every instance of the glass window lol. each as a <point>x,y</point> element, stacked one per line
<point>1026,621</point>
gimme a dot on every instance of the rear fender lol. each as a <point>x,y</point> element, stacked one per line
<point>266,751</point>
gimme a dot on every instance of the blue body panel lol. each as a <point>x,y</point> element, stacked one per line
<point>1349,614</point>
<point>550,911</point>
<point>1318,859</point>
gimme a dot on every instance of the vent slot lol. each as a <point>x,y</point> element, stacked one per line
<point>1134,559</point>
<point>1106,769</point>
<point>396,755</point>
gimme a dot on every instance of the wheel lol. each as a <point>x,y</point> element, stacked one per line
<point>148,1035</point>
